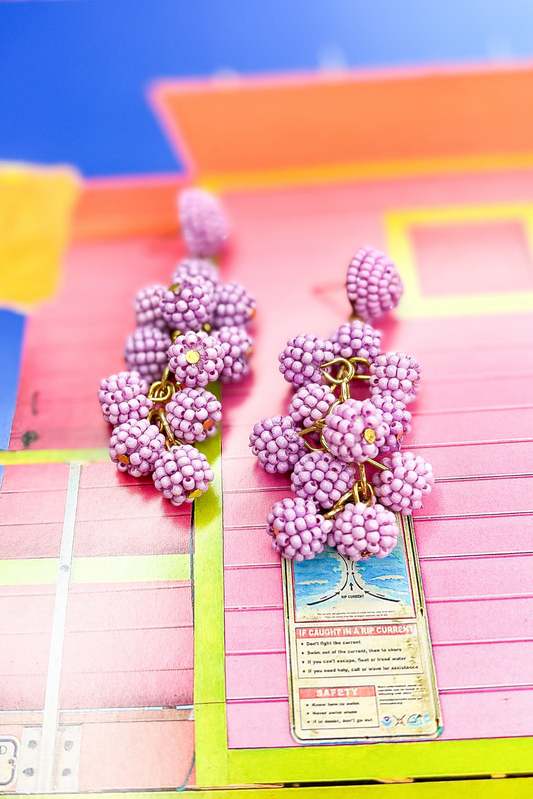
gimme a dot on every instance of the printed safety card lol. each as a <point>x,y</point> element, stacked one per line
<point>358,647</point>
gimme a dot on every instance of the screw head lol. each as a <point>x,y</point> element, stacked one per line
<point>192,356</point>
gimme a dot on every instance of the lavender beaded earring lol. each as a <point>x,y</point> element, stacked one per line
<point>195,331</point>
<point>328,439</point>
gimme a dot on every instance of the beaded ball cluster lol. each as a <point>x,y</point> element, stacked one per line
<point>188,335</point>
<point>329,439</point>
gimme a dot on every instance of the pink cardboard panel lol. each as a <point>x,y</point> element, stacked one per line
<point>484,665</point>
<point>480,496</point>
<point>445,362</point>
<point>25,654</point>
<point>258,725</point>
<point>254,631</point>
<point>30,540</point>
<point>498,576</point>
<point>249,587</point>
<point>31,615</point>
<point>443,396</point>
<point>128,689</point>
<point>25,507</point>
<point>165,535</point>
<point>106,474</point>
<point>23,692</point>
<point>35,477</point>
<point>488,620</point>
<point>481,459</point>
<point>126,650</point>
<point>249,547</point>
<point>127,502</point>
<point>130,610</point>
<point>252,676</point>
<point>475,536</point>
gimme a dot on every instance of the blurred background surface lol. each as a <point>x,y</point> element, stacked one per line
<point>74,71</point>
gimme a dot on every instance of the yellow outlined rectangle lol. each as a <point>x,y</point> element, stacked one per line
<point>400,248</point>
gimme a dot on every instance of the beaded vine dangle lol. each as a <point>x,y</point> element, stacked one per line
<point>328,439</point>
<point>188,335</point>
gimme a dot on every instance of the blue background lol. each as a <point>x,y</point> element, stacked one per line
<point>73,73</point>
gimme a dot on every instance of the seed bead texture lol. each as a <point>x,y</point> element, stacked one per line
<point>407,480</point>
<point>360,531</point>
<point>236,343</point>
<point>373,284</point>
<point>193,413</point>
<point>234,306</point>
<point>276,444</point>
<point>135,447</point>
<point>310,404</point>
<point>356,340</point>
<point>203,223</point>
<point>189,306</point>
<point>123,397</point>
<point>299,532</point>
<point>195,267</point>
<point>147,304</point>
<point>355,430</point>
<point>398,419</point>
<point>395,374</point>
<point>196,358</point>
<point>321,477</point>
<point>146,352</point>
<point>182,474</point>
<point>300,361</point>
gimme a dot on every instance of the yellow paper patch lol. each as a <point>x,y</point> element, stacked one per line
<point>36,205</point>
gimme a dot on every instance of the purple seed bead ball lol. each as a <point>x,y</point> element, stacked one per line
<point>135,447</point>
<point>147,304</point>
<point>195,267</point>
<point>146,352</point>
<point>300,361</point>
<point>407,480</point>
<point>182,474</point>
<point>356,340</point>
<point>234,306</point>
<point>321,477</point>
<point>193,413</point>
<point>237,344</point>
<point>360,531</point>
<point>189,306</point>
<point>310,403</point>
<point>299,532</point>
<point>373,284</point>
<point>203,223</point>
<point>123,397</point>
<point>277,444</point>
<point>196,358</point>
<point>398,419</point>
<point>396,375</point>
<point>355,430</point>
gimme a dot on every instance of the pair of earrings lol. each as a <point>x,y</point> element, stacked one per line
<point>188,335</point>
<point>329,439</point>
<point>195,332</point>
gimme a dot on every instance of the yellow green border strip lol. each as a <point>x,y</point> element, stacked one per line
<point>211,746</point>
<point>517,788</point>
<point>27,456</point>
<point>120,569</point>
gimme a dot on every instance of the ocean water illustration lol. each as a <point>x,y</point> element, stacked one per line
<point>331,587</point>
